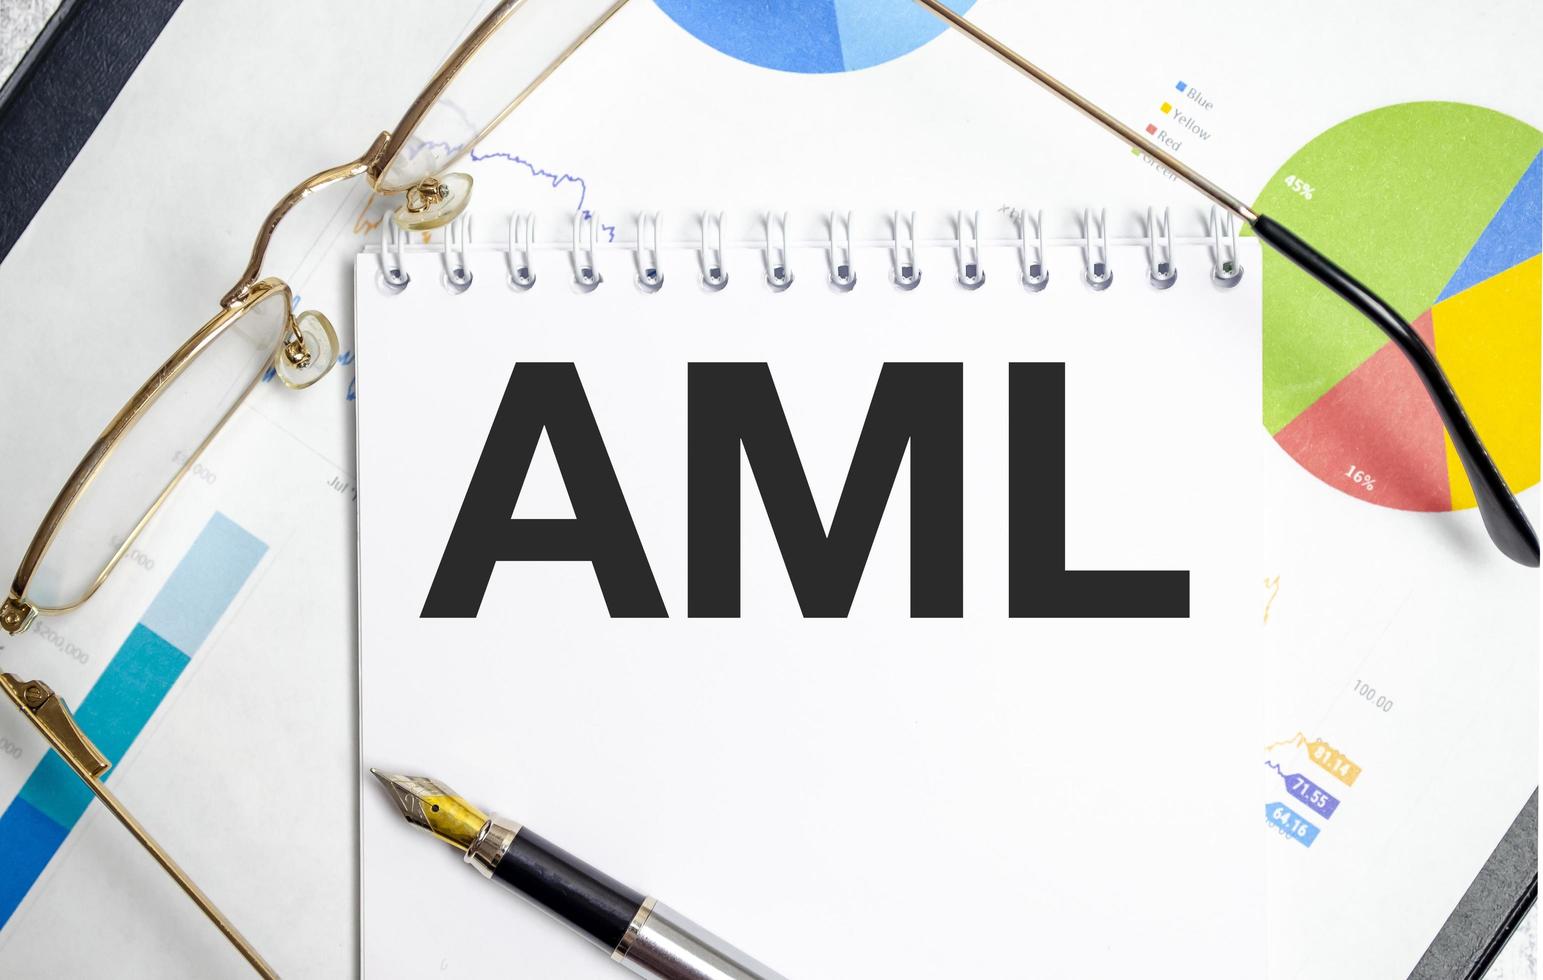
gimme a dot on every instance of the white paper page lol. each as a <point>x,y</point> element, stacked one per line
<point>801,781</point>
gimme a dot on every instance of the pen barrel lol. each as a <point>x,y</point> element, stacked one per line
<point>647,938</point>
<point>662,944</point>
<point>596,905</point>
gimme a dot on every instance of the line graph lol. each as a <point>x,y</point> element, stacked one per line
<point>1303,790</point>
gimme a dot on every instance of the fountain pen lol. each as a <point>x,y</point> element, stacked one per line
<point>641,934</point>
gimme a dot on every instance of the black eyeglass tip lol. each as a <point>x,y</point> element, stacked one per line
<point>1509,528</point>
<point>1526,553</point>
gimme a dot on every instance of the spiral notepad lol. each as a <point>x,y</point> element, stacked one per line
<point>775,242</point>
<point>819,571</point>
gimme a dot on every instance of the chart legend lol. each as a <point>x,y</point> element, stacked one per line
<point>1185,123</point>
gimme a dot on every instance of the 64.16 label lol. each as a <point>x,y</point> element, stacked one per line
<point>1290,824</point>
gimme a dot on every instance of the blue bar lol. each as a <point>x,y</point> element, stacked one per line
<point>30,840</point>
<point>203,584</point>
<point>112,715</point>
<point>117,708</point>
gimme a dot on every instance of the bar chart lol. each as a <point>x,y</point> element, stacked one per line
<point>124,698</point>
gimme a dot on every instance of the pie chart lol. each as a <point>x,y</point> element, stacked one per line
<point>1437,206</point>
<point>810,36</point>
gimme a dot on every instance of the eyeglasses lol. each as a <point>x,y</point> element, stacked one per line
<point>152,443</point>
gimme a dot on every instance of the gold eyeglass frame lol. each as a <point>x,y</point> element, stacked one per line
<point>102,449</point>
<point>17,612</point>
<point>44,709</point>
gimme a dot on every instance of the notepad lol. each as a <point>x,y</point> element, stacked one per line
<point>893,632</point>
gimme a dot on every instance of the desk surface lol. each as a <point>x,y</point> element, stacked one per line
<point>23,21</point>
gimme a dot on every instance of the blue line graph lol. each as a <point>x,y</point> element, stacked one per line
<point>556,179</point>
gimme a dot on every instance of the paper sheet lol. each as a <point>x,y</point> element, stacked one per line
<point>801,769</point>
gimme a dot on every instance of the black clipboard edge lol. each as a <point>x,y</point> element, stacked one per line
<point>1490,910</point>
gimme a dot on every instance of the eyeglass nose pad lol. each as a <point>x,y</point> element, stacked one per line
<point>309,350</point>
<point>434,202</point>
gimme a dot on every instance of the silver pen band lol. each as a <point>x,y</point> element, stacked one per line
<point>662,944</point>
<point>491,844</point>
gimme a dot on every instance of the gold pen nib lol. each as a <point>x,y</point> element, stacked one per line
<point>434,807</point>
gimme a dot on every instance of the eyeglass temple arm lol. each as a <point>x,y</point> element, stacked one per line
<point>1502,514</point>
<point>301,191</point>
<point>48,714</point>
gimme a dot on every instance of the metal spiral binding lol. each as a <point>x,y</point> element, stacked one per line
<point>972,273</point>
<point>1226,270</point>
<point>649,279</point>
<point>1095,253</point>
<point>1162,272</point>
<point>522,237</point>
<point>586,271</point>
<point>839,240</point>
<point>393,278</point>
<point>843,278</point>
<point>457,276</point>
<point>779,273</point>
<point>1035,272</point>
<point>714,276</point>
<point>906,274</point>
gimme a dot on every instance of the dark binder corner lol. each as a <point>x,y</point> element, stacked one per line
<point>60,91</point>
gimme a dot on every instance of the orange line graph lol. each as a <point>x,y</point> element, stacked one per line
<point>362,224</point>
<point>1297,739</point>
